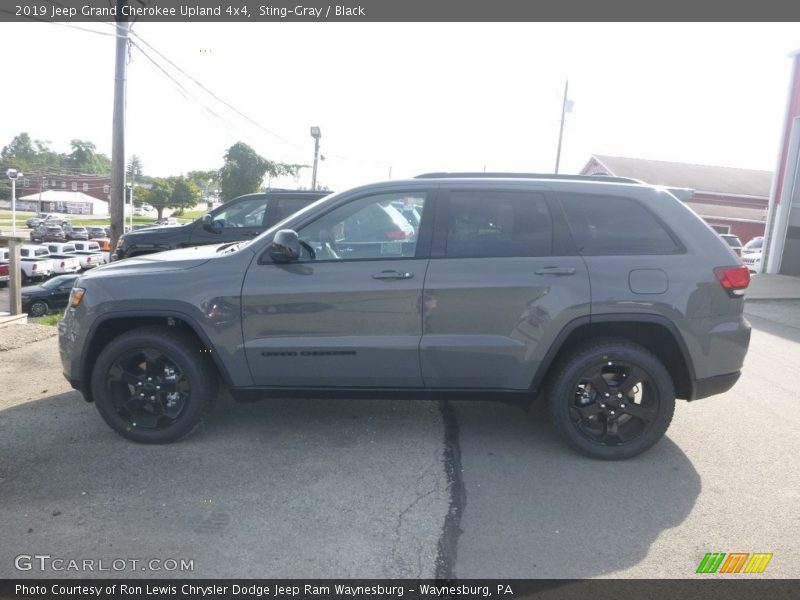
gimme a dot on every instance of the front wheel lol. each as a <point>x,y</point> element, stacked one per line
<point>612,399</point>
<point>39,308</point>
<point>153,385</point>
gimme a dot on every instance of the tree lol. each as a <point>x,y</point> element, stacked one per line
<point>134,168</point>
<point>85,159</point>
<point>244,171</point>
<point>159,194</point>
<point>20,153</point>
<point>185,194</point>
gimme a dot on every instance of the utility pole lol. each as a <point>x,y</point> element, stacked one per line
<point>116,204</point>
<point>561,131</point>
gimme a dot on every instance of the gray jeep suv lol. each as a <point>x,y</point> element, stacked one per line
<point>605,297</point>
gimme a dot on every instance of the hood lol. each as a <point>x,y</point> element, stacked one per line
<point>153,234</point>
<point>171,260</point>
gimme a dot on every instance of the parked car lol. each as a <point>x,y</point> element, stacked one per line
<point>96,232</point>
<point>168,221</point>
<point>48,233</point>
<point>752,253</point>
<point>733,241</point>
<point>754,245</point>
<point>31,267</point>
<point>53,294</point>
<point>105,248</point>
<point>139,212</point>
<point>47,219</point>
<point>4,277</point>
<point>36,221</point>
<point>239,219</point>
<point>605,297</point>
<point>75,232</point>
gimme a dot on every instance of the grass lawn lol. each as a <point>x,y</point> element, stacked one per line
<point>98,220</point>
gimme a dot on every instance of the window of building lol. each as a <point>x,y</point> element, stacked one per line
<point>74,186</point>
<point>85,187</point>
<point>106,189</point>
<point>63,184</point>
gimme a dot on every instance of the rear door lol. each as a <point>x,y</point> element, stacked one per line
<point>348,316</point>
<point>501,284</point>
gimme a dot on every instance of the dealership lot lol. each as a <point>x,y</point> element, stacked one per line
<point>360,488</point>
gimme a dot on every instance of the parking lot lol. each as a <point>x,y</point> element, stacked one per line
<point>314,488</point>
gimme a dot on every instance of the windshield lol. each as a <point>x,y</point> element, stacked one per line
<point>55,282</point>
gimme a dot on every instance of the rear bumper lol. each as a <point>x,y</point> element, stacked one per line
<point>711,386</point>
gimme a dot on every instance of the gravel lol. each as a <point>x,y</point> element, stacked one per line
<point>17,336</point>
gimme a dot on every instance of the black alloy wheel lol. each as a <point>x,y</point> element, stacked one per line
<point>612,400</point>
<point>153,385</point>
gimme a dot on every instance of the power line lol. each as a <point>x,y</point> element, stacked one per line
<point>212,94</point>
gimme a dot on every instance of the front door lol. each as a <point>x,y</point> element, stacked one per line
<point>350,314</point>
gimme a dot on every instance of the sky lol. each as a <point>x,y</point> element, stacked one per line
<point>397,99</point>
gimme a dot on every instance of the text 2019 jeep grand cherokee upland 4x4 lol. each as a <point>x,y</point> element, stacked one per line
<point>609,296</point>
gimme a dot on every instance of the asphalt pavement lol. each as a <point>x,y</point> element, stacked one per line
<point>407,489</point>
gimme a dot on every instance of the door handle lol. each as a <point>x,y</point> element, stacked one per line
<point>556,271</point>
<point>393,275</point>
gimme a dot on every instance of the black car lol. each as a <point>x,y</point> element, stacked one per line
<point>239,219</point>
<point>38,300</point>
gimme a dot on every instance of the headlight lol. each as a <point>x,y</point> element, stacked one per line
<point>119,242</point>
<point>75,297</point>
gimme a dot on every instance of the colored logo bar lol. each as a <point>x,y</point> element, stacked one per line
<point>734,562</point>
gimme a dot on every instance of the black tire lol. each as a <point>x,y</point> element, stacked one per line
<point>611,399</point>
<point>179,384</point>
<point>38,308</point>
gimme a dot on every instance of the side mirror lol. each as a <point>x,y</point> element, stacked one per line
<point>210,225</point>
<point>285,246</point>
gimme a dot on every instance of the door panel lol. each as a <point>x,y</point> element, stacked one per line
<point>488,321</point>
<point>347,314</point>
<point>334,323</point>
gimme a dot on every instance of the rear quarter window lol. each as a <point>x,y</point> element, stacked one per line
<point>614,225</point>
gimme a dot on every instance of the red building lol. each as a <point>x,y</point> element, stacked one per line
<point>97,186</point>
<point>729,200</point>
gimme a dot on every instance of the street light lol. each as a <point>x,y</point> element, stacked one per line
<point>13,175</point>
<point>316,134</point>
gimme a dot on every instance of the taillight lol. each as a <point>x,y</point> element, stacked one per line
<point>63,264</point>
<point>88,259</point>
<point>734,279</point>
<point>396,234</point>
<point>34,266</point>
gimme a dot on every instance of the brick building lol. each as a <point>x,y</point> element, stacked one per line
<point>729,200</point>
<point>97,186</point>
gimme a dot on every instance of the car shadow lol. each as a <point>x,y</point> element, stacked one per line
<point>536,509</point>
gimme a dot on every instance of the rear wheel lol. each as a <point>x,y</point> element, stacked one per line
<point>611,400</point>
<point>153,385</point>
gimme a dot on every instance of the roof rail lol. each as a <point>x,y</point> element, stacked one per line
<point>481,175</point>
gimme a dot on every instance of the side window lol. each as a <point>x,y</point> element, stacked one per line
<point>366,228</point>
<point>494,224</point>
<point>286,207</point>
<point>246,213</point>
<point>609,225</point>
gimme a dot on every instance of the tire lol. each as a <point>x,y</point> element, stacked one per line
<point>39,308</point>
<point>611,399</point>
<point>178,383</point>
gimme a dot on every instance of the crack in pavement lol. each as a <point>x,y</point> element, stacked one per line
<point>448,542</point>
